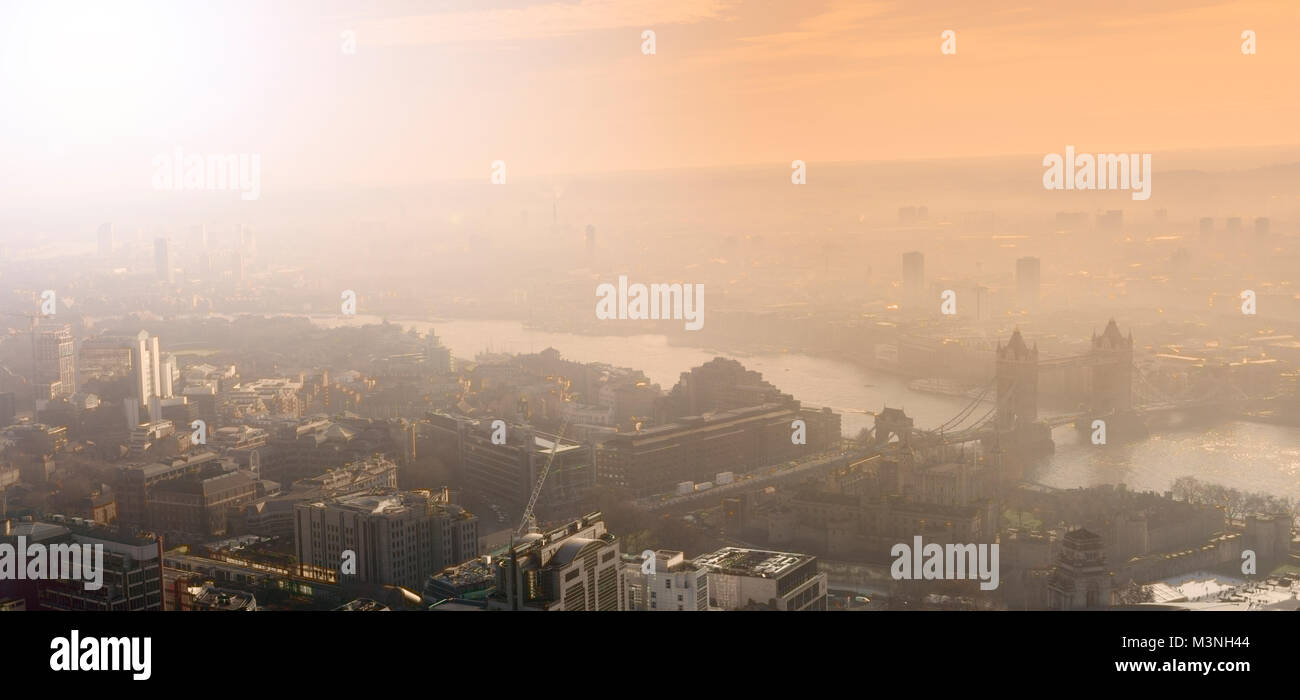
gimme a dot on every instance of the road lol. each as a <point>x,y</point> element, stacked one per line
<point>759,479</point>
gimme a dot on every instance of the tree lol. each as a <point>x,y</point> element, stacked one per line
<point>1134,594</point>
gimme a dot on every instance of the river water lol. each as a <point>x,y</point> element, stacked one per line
<point>1244,455</point>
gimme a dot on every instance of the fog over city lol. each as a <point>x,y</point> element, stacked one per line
<point>693,305</point>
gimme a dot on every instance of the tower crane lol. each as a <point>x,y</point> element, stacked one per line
<point>529,523</point>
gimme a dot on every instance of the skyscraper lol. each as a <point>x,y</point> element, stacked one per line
<point>913,277</point>
<point>237,267</point>
<point>247,242</point>
<point>105,240</point>
<point>161,260</point>
<point>56,373</point>
<point>1261,227</point>
<point>1028,282</point>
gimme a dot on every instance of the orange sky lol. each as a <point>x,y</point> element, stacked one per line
<point>92,91</point>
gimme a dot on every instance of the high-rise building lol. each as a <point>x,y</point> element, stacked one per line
<point>1028,282</point>
<point>914,277</point>
<point>105,239</point>
<point>575,567</point>
<point>237,267</point>
<point>137,356</point>
<point>1206,227</point>
<point>56,367</point>
<point>1261,226</point>
<point>1112,221</point>
<point>162,260</point>
<point>591,240</point>
<point>397,537</point>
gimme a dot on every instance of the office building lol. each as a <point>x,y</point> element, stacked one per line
<point>673,583</point>
<point>199,504</point>
<point>398,537</point>
<point>1028,283</point>
<point>1261,227</point>
<point>741,579</point>
<point>132,566</point>
<point>506,474</point>
<point>162,260</point>
<point>914,278</point>
<point>56,373</point>
<point>138,356</point>
<point>574,567</point>
<point>696,448</point>
<point>274,515</point>
<point>133,484</point>
<point>105,240</point>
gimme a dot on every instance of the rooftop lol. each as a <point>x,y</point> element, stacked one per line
<point>752,562</point>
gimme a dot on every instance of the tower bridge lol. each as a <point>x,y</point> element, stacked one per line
<point>1114,390</point>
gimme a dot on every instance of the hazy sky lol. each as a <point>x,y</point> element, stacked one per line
<point>91,91</point>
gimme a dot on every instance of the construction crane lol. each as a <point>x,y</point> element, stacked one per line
<point>529,523</point>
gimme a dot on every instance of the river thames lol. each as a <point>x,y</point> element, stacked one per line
<point>1245,455</point>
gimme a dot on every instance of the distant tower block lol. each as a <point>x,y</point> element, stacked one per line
<point>1261,227</point>
<point>913,277</point>
<point>162,260</point>
<point>1029,282</point>
<point>1112,370</point>
<point>1207,227</point>
<point>1017,380</point>
<point>591,240</point>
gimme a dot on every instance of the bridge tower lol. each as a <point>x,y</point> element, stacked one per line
<point>893,423</point>
<point>1112,371</point>
<point>1017,384</point>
